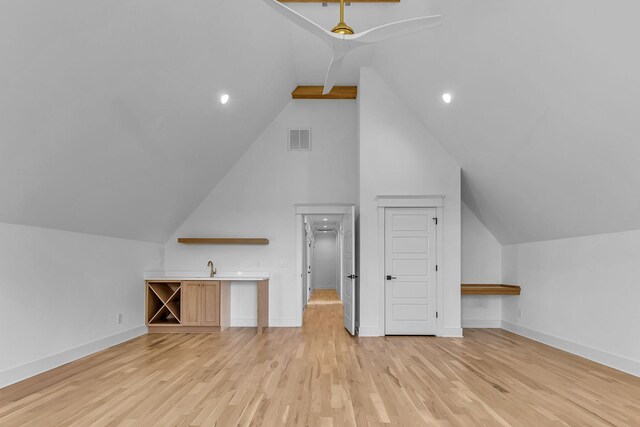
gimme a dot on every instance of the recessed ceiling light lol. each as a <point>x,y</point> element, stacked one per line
<point>324,219</point>
<point>324,226</point>
<point>446,97</point>
<point>224,98</point>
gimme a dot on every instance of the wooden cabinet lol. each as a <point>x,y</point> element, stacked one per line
<point>200,304</point>
<point>191,303</point>
<point>210,304</point>
<point>188,306</point>
<point>185,306</point>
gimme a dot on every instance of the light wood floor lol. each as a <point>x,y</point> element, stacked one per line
<point>324,296</point>
<point>319,376</point>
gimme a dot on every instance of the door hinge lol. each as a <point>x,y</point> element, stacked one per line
<point>436,267</point>
<point>435,220</point>
<point>436,314</point>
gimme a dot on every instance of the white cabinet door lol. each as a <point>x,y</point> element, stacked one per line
<point>349,265</point>
<point>410,271</point>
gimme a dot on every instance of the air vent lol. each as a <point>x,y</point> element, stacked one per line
<point>299,140</point>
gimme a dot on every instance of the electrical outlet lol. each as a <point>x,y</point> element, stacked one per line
<point>119,318</point>
<point>284,263</point>
<point>520,312</point>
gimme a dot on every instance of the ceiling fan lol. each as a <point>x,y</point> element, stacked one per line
<point>342,39</point>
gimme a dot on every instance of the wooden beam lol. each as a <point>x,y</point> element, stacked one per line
<point>222,241</point>
<point>315,92</point>
<point>338,1</point>
<point>468,289</point>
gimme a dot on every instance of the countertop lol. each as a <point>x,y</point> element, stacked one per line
<point>234,276</point>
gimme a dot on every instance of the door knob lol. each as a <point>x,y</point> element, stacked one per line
<point>391,277</point>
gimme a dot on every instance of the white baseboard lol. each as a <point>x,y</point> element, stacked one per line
<point>370,331</point>
<point>374,331</point>
<point>481,323</point>
<point>284,323</point>
<point>252,322</point>
<point>243,322</point>
<point>28,370</point>
<point>450,333</point>
<point>608,359</point>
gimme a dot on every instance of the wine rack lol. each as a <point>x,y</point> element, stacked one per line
<point>163,303</point>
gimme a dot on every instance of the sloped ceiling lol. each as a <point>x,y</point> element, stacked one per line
<point>544,121</point>
<point>109,116</point>
<point>110,124</point>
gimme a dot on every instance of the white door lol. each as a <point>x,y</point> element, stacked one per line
<point>349,265</point>
<point>309,258</point>
<point>410,270</point>
<point>305,284</point>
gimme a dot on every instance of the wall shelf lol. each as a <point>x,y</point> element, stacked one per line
<point>222,241</point>
<point>471,289</point>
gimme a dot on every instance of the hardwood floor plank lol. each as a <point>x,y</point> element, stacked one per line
<point>318,375</point>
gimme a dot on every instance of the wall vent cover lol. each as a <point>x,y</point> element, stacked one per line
<point>299,139</point>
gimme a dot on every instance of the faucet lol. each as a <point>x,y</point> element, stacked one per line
<point>213,270</point>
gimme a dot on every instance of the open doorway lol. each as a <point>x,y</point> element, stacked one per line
<point>326,257</point>
<point>323,258</point>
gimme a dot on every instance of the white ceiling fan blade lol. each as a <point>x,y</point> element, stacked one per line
<point>333,72</point>
<point>396,29</point>
<point>324,35</point>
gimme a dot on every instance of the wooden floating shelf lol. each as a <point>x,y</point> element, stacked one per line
<point>490,289</point>
<point>222,241</point>
<point>338,1</point>
<point>315,92</point>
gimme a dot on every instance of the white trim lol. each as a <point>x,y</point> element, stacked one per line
<point>283,323</point>
<point>310,209</point>
<point>381,267</point>
<point>441,331</point>
<point>481,323</point>
<point>370,331</point>
<point>450,333</point>
<point>299,258</point>
<point>321,209</point>
<point>252,322</point>
<point>609,359</point>
<point>28,370</point>
<point>244,322</point>
<point>434,201</point>
<point>425,201</point>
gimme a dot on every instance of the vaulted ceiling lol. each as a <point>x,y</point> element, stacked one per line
<point>109,115</point>
<point>543,122</point>
<point>110,121</point>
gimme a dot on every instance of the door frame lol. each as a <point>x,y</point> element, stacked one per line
<point>426,201</point>
<point>310,209</point>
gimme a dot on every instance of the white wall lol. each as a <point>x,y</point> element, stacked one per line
<point>325,261</point>
<point>61,294</point>
<point>398,156</point>
<point>579,294</point>
<point>256,199</point>
<point>481,263</point>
